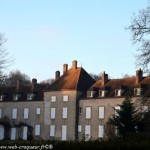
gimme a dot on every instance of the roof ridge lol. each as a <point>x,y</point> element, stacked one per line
<point>78,78</point>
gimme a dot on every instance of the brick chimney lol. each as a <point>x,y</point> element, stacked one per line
<point>34,83</point>
<point>17,84</point>
<point>65,68</point>
<point>104,78</point>
<point>74,64</point>
<point>139,75</point>
<point>57,75</point>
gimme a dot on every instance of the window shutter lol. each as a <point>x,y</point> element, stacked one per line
<point>52,130</point>
<point>53,113</point>
<point>26,113</point>
<point>101,112</point>
<point>88,112</point>
<point>14,113</point>
<point>37,129</point>
<point>64,113</point>
<point>101,131</point>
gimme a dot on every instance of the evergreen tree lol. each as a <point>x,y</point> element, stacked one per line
<point>126,118</point>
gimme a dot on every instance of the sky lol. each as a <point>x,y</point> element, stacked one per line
<point>45,34</point>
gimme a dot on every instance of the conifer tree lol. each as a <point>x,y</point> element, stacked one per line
<point>126,118</point>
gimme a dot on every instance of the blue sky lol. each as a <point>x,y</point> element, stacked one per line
<point>45,34</point>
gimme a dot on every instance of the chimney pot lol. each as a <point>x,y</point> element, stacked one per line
<point>34,82</point>
<point>104,78</point>
<point>17,84</point>
<point>74,64</point>
<point>57,75</point>
<point>65,68</point>
<point>139,75</point>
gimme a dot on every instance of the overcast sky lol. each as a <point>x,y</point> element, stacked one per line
<point>45,34</point>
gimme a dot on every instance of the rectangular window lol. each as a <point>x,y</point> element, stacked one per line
<point>79,128</point>
<point>87,132</point>
<point>13,134</point>
<point>101,112</point>
<point>90,94</point>
<point>80,110</point>
<point>14,113</point>
<point>144,109</point>
<point>37,129</point>
<point>65,98</point>
<point>52,130</point>
<point>101,93</point>
<point>38,111</point>
<point>26,113</point>
<point>64,114</point>
<point>0,113</point>
<point>117,108</point>
<point>101,131</point>
<point>16,97</point>
<point>53,99</point>
<point>53,110</point>
<point>64,133</point>
<point>25,131</point>
<point>30,96</point>
<point>88,112</point>
<point>118,92</point>
<point>2,97</point>
<point>137,91</point>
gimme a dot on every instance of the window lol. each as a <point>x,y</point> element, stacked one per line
<point>87,132</point>
<point>101,93</point>
<point>0,113</point>
<point>52,130</point>
<point>2,132</point>
<point>101,112</point>
<point>144,109</point>
<point>79,128</point>
<point>101,131</point>
<point>13,134</point>
<point>64,133</point>
<point>65,98</point>
<point>64,115</point>
<point>137,91</point>
<point>26,113</point>
<point>117,108</point>
<point>30,96</point>
<point>16,97</point>
<point>52,113</point>
<point>37,129</point>
<point>38,111</point>
<point>25,131</point>
<point>53,99</point>
<point>14,113</point>
<point>2,97</point>
<point>88,113</point>
<point>90,94</point>
<point>118,92</point>
<point>80,110</point>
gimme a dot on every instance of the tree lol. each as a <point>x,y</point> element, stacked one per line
<point>17,75</point>
<point>140,31</point>
<point>126,118</point>
<point>5,60</point>
<point>48,81</point>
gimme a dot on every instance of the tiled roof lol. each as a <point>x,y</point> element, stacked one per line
<point>23,91</point>
<point>127,84</point>
<point>73,79</point>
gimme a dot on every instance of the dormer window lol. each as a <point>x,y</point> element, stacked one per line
<point>118,92</point>
<point>2,97</point>
<point>16,97</point>
<point>30,96</point>
<point>137,91</point>
<point>101,93</point>
<point>90,94</point>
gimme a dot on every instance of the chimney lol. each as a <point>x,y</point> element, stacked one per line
<point>34,82</point>
<point>74,64</point>
<point>17,84</point>
<point>104,78</point>
<point>65,68</point>
<point>139,75</point>
<point>57,75</point>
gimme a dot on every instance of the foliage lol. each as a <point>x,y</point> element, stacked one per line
<point>95,76</point>
<point>127,117</point>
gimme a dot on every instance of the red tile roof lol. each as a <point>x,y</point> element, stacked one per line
<point>73,79</point>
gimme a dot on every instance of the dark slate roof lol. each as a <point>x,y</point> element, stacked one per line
<point>23,91</point>
<point>73,79</point>
<point>127,84</point>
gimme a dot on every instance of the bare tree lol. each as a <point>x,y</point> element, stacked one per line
<point>140,31</point>
<point>48,81</point>
<point>17,75</point>
<point>5,60</point>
